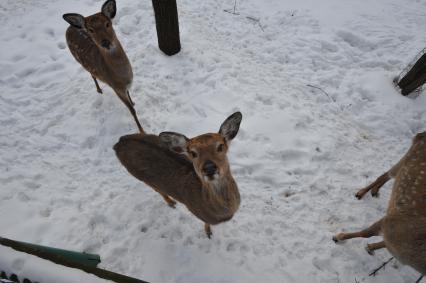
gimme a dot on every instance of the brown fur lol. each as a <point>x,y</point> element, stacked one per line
<point>404,226</point>
<point>176,176</point>
<point>108,65</point>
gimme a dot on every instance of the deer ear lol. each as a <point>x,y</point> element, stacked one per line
<point>76,20</point>
<point>109,9</point>
<point>174,141</point>
<point>230,126</point>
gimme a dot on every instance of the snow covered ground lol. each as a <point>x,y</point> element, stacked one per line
<point>299,157</point>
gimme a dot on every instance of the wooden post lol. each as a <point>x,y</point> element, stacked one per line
<point>415,77</point>
<point>167,22</point>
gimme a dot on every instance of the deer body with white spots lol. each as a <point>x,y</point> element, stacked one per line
<point>93,43</point>
<point>193,171</point>
<point>404,226</point>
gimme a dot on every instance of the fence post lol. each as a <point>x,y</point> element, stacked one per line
<point>167,23</point>
<point>415,77</point>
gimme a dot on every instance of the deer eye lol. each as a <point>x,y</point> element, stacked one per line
<point>107,25</point>
<point>91,30</point>
<point>220,147</point>
<point>193,154</point>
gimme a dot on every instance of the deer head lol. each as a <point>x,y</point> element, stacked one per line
<point>97,26</point>
<point>207,152</point>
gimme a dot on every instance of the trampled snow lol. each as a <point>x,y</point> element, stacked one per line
<point>321,119</point>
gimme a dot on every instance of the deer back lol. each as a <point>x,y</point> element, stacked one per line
<point>409,190</point>
<point>150,162</point>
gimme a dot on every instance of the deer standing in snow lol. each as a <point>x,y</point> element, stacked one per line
<point>193,171</point>
<point>404,226</point>
<point>93,43</point>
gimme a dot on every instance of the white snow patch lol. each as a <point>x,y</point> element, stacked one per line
<point>299,157</point>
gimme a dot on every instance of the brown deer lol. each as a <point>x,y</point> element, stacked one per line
<point>404,226</point>
<point>193,171</point>
<point>93,43</point>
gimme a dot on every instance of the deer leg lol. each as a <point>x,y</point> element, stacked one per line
<point>370,248</point>
<point>132,111</point>
<point>374,187</point>
<point>98,89</point>
<point>208,230</point>
<point>170,202</point>
<point>130,99</point>
<point>373,230</point>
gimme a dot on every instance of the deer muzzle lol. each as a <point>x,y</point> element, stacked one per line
<point>209,169</point>
<point>106,43</point>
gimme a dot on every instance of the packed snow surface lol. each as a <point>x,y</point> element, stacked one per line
<point>321,119</point>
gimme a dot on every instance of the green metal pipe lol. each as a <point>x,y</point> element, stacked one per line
<point>82,261</point>
<point>82,258</point>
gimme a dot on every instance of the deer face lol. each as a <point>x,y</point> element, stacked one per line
<point>97,26</point>
<point>208,155</point>
<point>208,151</point>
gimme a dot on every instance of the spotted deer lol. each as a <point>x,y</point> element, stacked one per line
<point>93,43</point>
<point>193,171</point>
<point>404,226</point>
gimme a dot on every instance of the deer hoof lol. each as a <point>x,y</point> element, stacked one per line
<point>361,193</point>
<point>171,203</point>
<point>337,238</point>
<point>208,230</point>
<point>369,250</point>
<point>375,194</point>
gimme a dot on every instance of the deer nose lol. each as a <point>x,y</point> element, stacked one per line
<point>209,168</point>
<point>105,43</point>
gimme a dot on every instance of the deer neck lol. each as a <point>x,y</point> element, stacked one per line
<point>221,194</point>
<point>116,61</point>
